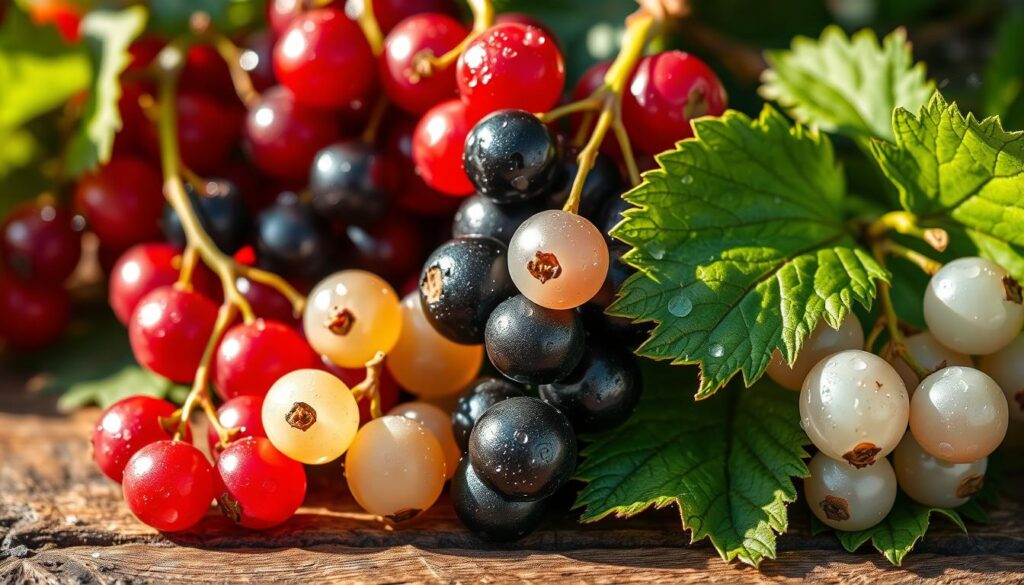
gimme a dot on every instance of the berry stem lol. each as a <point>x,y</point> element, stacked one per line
<point>380,107</point>
<point>370,386</point>
<point>929,266</point>
<point>188,266</point>
<point>892,320</point>
<point>231,54</point>
<point>274,281</point>
<point>876,331</point>
<point>224,434</point>
<point>371,28</point>
<point>906,223</point>
<point>426,63</point>
<point>201,384</point>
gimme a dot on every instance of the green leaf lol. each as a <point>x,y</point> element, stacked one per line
<point>128,381</point>
<point>727,463</point>
<point>895,536</point>
<point>38,70</point>
<point>107,36</point>
<point>847,85</point>
<point>742,247</point>
<point>948,166</point>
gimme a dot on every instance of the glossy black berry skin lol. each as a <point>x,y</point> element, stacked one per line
<point>603,182</point>
<point>511,156</point>
<point>222,212</point>
<point>351,183</point>
<point>600,393</point>
<point>622,329</point>
<point>523,448</point>
<point>479,216</point>
<point>292,240</point>
<point>475,400</point>
<point>532,344</point>
<point>611,215</point>
<point>488,513</point>
<point>461,283</point>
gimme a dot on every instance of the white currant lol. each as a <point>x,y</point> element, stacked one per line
<point>848,498</point>
<point>959,414</point>
<point>822,342</point>
<point>1006,367</point>
<point>934,482</point>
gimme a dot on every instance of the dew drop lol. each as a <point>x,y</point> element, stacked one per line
<point>687,180</point>
<point>858,364</point>
<point>680,305</point>
<point>522,437</point>
<point>716,350</point>
<point>656,250</point>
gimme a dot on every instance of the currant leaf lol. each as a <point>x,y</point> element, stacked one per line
<point>741,246</point>
<point>847,85</point>
<point>954,168</point>
<point>107,35</point>
<point>727,463</point>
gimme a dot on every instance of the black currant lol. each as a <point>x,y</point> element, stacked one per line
<point>600,393</point>
<point>620,328</point>
<point>222,212</point>
<point>603,182</point>
<point>487,512</point>
<point>524,448</point>
<point>511,156</point>
<point>475,400</point>
<point>461,283</point>
<point>351,183</point>
<point>292,240</point>
<point>479,216</point>
<point>532,344</point>
<point>611,215</point>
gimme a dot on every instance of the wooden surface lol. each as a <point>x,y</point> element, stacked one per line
<point>62,521</point>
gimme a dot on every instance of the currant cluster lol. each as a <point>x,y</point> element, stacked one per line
<point>940,419</point>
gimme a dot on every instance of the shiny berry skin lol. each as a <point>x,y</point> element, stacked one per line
<point>259,487</point>
<point>127,426</point>
<point>408,89</point>
<point>169,329</point>
<point>461,283</point>
<point>39,242</point>
<point>665,93</point>
<point>351,182</point>
<point>292,240</point>
<point>438,423</point>
<point>523,448</point>
<point>934,482</point>
<point>1006,367</point>
<point>511,66</point>
<point>391,12</point>
<point>437,147</point>
<point>391,247</point>
<point>266,301</point>
<point>603,183</point>
<point>474,402</point>
<point>479,216</point>
<point>414,195</point>
<point>169,485</point>
<point>487,512</point>
<point>32,316</point>
<point>138,271</point>
<point>222,212</point>
<point>122,201</point>
<point>959,414</point>
<point>523,19</point>
<point>597,320</point>
<point>849,498</point>
<point>313,51</point>
<point>511,156</point>
<point>282,137</point>
<point>601,393</point>
<point>310,416</point>
<point>251,357</point>
<point>532,344</point>
<point>257,59</point>
<point>929,353</point>
<point>207,132</point>
<point>611,216</point>
<point>822,342</point>
<point>244,413</point>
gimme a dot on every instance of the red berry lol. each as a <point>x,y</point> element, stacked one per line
<point>408,89</point>
<point>132,135</point>
<point>32,315</point>
<point>242,412</point>
<point>413,194</point>
<point>207,132</point>
<point>139,271</point>
<point>251,357</point>
<point>169,485</point>
<point>259,486</point>
<point>591,80</point>
<point>324,59</point>
<point>65,15</point>
<point>127,426</point>
<point>266,301</point>
<point>391,247</point>
<point>122,202</point>
<point>39,242</point>
<point>282,137</point>
<point>666,91</point>
<point>437,146</point>
<point>207,73</point>
<point>511,66</point>
<point>169,330</point>
<point>257,59</point>
<point>524,19</point>
<point>389,389</point>
<point>391,12</point>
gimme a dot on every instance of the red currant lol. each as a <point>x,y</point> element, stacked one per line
<point>131,137</point>
<point>391,12</point>
<point>257,59</point>
<point>127,426</point>
<point>207,132</point>
<point>283,137</point>
<point>413,194</point>
<point>39,242</point>
<point>169,329</point>
<point>207,73</point>
<point>524,19</point>
<point>392,247</point>
<point>266,301</point>
<point>511,66</point>
<point>665,93</point>
<point>389,389</point>
<point>169,485</point>
<point>251,357</point>
<point>65,15</point>
<point>259,487</point>
<point>138,271</point>
<point>437,146</point>
<point>122,201</point>
<point>408,89</point>
<point>243,413</point>
<point>32,315</point>
<point>323,57</point>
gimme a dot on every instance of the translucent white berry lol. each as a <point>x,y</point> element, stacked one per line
<point>934,482</point>
<point>972,305</point>
<point>854,407</point>
<point>1006,367</point>
<point>310,416</point>
<point>929,353</point>
<point>439,423</point>
<point>557,259</point>
<point>822,342</point>
<point>847,498</point>
<point>959,414</point>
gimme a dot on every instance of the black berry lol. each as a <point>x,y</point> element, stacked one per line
<point>511,156</point>
<point>532,344</point>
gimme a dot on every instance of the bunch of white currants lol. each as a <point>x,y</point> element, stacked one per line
<point>856,408</point>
